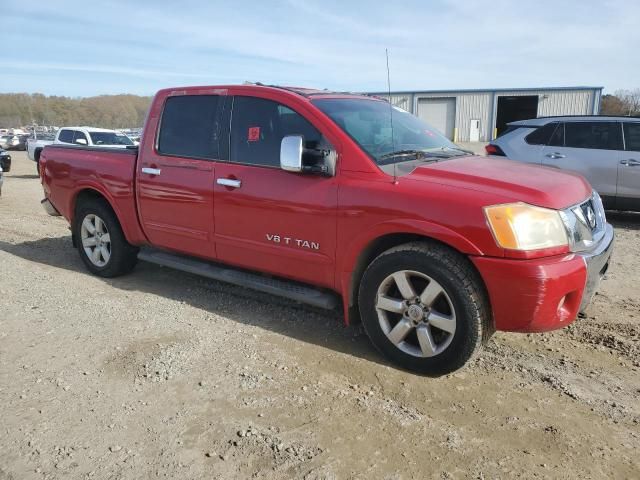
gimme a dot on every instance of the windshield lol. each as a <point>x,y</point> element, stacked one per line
<point>109,138</point>
<point>368,122</point>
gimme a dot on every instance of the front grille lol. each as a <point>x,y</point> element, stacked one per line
<point>589,215</point>
<point>586,223</point>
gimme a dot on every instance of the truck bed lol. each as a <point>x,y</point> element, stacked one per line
<point>108,171</point>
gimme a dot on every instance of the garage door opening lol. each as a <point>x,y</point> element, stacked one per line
<point>511,109</point>
<point>440,113</point>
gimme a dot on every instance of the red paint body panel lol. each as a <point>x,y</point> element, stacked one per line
<point>186,211</point>
<point>68,171</point>
<point>525,294</point>
<point>288,207</point>
<point>176,207</point>
<point>542,186</point>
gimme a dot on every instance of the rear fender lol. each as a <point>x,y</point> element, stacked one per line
<point>132,233</point>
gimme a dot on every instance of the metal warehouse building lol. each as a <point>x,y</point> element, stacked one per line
<point>481,115</point>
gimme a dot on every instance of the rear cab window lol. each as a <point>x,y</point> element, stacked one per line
<point>632,136</point>
<point>189,127</point>
<point>65,136</point>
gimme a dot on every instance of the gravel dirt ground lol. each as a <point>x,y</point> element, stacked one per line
<point>164,374</point>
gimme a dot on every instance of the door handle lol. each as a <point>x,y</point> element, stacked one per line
<point>229,182</point>
<point>151,171</point>
<point>555,155</point>
<point>631,162</point>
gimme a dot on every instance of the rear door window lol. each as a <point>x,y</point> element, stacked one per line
<point>189,127</point>
<point>557,137</point>
<point>632,136</point>
<point>66,136</point>
<point>541,135</point>
<point>593,135</point>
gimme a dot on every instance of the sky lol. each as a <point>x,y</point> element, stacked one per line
<point>80,48</point>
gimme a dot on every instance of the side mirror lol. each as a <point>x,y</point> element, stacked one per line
<point>80,141</point>
<point>291,153</point>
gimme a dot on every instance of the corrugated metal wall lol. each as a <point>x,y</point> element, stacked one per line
<point>469,106</point>
<point>482,105</point>
<point>401,100</point>
<point>554,102</point>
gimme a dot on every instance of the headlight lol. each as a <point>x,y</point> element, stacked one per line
<point>519,226</point>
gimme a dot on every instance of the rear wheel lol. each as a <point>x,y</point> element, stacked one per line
<point>100,241</point>
<point>424,307</point>
<point>36,157</point>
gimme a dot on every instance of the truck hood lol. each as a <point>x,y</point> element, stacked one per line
<point>518,182</point>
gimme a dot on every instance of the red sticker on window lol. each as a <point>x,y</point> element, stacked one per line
<point>254,134</point>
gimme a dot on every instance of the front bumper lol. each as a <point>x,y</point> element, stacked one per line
<point>597,263</point>
<point>543,294</point>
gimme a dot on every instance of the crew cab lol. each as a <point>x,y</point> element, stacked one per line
<point>339,199</point>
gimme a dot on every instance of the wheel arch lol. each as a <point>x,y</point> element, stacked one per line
<point>384,237</point>
<point>90,193</point>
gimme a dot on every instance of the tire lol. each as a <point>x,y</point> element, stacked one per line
<point>115,256</point>
<point>436,324</point>
<point>36,157</point>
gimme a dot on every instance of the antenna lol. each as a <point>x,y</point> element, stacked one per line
<point>393,147</point>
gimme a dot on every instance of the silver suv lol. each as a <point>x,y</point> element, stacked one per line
<point>605,150</point>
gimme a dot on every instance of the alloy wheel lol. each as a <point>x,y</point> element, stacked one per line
<point>415,313</point>
<point>96,240</point>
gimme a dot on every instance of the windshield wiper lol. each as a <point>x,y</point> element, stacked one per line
<point>458,149</point>
<point>417,153</point>
<point>402,153</point>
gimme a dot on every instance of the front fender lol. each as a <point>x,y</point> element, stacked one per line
<point>408,226</point>
<point>366,238</point>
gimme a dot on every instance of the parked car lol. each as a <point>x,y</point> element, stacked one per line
<point>9,141</point>
<point>35,143</point>
<point>92,137</point>
<point>5,160</point>
<point>22,145</point>
<point>606,150</point>
<point>431,248</point>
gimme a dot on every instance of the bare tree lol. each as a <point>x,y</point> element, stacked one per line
<point>630,100</point>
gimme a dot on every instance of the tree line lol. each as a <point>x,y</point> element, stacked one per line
<point>106,111</point>
<point>623,102</point>
<point>128,111</point>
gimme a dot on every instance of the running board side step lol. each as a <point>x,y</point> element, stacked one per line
<point>282,288</point>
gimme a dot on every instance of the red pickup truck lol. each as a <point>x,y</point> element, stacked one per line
<point>321,197</point>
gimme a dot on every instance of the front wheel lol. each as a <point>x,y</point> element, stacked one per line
<point>100,241</point>
<point>424,307</point>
